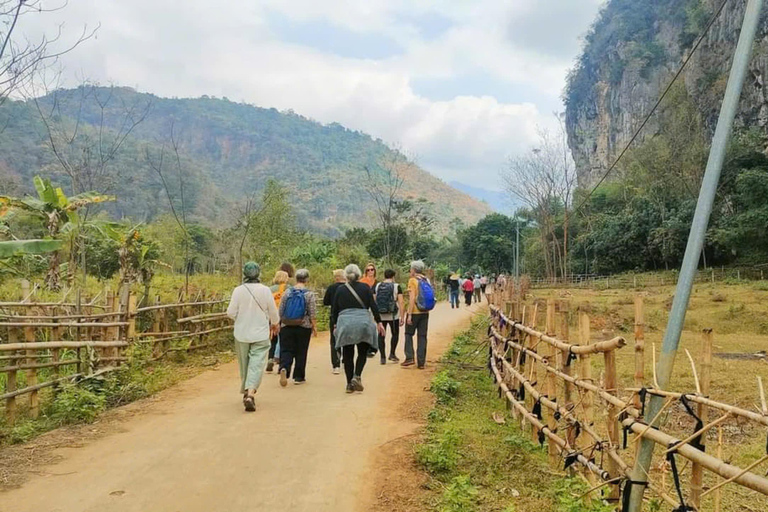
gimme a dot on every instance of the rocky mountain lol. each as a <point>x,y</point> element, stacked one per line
<point>114,140</point>
<point>629,56</point>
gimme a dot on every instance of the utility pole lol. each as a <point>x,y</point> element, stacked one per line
<point>696,241</point>
<point>517,251</point>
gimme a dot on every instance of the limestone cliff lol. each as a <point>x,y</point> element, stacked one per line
<point>629,56</point>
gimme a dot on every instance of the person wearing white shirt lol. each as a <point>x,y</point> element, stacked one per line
<point>256,320</point>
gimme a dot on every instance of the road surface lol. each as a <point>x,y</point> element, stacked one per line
<point>306,448</point>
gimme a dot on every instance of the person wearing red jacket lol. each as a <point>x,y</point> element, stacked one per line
<point>469,288</point>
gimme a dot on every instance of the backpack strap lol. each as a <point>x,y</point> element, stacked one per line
<point>255,299</point>
<point>362,304</point>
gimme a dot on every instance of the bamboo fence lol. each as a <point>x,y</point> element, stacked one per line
<point>46,344</point>
<point>590,426</point>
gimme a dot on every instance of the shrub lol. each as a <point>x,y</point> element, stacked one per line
<point>77,404</point>
<point>440,454</point>
<point>444,387</point>
<point>459,496</point>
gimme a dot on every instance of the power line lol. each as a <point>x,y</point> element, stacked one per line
<point>656,106</point>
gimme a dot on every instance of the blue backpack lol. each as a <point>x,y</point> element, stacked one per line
<point>426,299</point>
<point>295,307</point>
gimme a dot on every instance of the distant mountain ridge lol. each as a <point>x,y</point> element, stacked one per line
<point>498,201</point>
<point>227,152</point>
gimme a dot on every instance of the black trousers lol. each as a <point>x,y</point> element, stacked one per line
<point>294,345</point>
<point>273,346</point>
<point>468,298</point>
<point>354,368</point>
<point>394,327</point>
<point>335,353</point>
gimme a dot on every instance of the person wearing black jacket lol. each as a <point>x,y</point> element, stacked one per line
<point>352,322</point>
<point>330,292</point>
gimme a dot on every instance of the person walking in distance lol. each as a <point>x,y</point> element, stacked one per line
<point>298,316</point>
<point>354,327</point>
<point>453,290</point>
<point>330,292</point>
<point>469,288</point>
<point>484,285</point>
<point>476,287</point>
<point>421,300</point>
<point>389,301</point>
<point>369,278</point>
<point>278,288</point>
<point>256,321</point>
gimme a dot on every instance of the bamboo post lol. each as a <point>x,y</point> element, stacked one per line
<point>697,471</point>
<point>10,403</point>
<point>586,375</point>
<point>78,310</point>
<point>534,375</point>
<point>131,333</point>
<point>29,337</point>
<point>157,326</point>
<point>612,424</point>
<point>639,348</point>
<point>55,353</point>
<point>719,492</point>
<point>565,365</point>
<point>551,381</point>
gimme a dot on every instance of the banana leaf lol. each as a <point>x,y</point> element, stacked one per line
<point>86,198</point>
<point>21,247</point>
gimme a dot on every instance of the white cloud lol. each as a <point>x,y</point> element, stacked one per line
<point>194,48</point>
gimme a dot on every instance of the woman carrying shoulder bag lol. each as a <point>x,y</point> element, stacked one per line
<point>351,312</point>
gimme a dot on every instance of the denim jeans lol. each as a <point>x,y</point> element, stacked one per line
<point>454,298</point>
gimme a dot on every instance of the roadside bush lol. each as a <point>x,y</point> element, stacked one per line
<point>77,404</point>
<point>440,454</point>
<point>444,387</point>
<point>459,496</point>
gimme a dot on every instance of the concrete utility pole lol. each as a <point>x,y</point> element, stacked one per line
<point>517,251</point>
<point>696,239</point>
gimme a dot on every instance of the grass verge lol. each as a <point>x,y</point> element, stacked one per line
<point>476,464</point>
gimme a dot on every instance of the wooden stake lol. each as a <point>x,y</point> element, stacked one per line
<point>639,347</point>
<point>534,375</point>
<point>718,493</point>
<point>612,424</point>
<point>695,375</point>
<point>763,406</point>
<point>551,381</point>
<point>565,366</point>
<point>697,472</point>
<point>10,386</point>
<point>29,337</point>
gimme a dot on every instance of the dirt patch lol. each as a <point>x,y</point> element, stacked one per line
<point>402,479</point>
<point>18,462</point>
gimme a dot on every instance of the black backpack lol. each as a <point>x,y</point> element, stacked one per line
<point>385,298</point>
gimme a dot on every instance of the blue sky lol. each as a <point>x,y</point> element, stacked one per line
<point>458,85</point>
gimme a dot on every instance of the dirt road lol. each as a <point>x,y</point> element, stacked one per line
<point>307,448</point>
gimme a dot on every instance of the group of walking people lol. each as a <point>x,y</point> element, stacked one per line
<point>273,326</point>
<point>473,287</point>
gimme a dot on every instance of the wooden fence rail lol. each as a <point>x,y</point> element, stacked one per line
<point>547,381</point>
<point>45,344</point>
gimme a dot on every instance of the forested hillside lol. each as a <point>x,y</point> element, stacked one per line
<point>220,152</point>
<point>640,216</point>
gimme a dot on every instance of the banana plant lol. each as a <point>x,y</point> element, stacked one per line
<point>59,214</point>
<point>13,248</point>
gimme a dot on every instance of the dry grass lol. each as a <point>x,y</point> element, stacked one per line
<point>738,315</point>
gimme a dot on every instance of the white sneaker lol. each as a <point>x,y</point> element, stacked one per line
<point>336,370</point>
